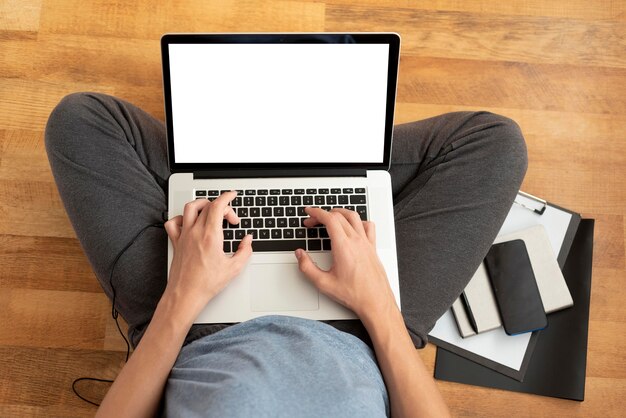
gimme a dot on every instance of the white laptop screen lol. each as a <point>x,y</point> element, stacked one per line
<point>278,103</point>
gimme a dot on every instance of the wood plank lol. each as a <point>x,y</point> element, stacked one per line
<point>578,9</point>
<point>502,37</point>
<point>606,357</point>
<point>46,318</point>
<point>60,411</point>
<point>603,398</point>
<point>512,85</point>
<point>39,380</point>
<point>76,59</point>
<point>63,64</point>
<point>26,103</point>
<point>23,156</point>
<point>553,125</point>
<point>589,187</point>
<point>607,294</point>
<point>19,19</point>
<point>579,188</point>
<point>32,208</point>
<point>45,263</point>
<point>120,19</point>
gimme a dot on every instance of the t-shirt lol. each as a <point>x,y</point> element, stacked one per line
<point>276,366</point>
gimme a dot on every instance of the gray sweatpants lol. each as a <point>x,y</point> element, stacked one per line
<point>454,179</point>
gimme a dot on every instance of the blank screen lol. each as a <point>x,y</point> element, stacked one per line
<point>278,103</point>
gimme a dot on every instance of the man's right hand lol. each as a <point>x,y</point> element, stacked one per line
<point>357,278</point>
<point>358,281</point>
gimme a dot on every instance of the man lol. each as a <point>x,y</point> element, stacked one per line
<point>454,179</point>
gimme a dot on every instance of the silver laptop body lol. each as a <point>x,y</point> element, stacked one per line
<point>285,119</point>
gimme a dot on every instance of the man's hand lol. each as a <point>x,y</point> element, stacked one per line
<point>357,278</point>
<point>358,281</point>
<point>200,268</point>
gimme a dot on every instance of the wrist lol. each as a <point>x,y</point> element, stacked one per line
<point>178,308</point>
<point>386,312</point>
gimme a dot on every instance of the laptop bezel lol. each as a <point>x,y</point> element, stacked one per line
<point>392,39</point>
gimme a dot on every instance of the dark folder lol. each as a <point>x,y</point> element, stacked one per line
<point>558,364</point>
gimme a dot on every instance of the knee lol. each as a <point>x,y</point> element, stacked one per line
<point>66,118</point>
<point>506,146</point>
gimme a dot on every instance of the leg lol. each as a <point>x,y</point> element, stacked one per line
<point>454,179</point>
<point>109,162</point>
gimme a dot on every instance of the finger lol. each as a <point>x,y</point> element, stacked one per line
<point>370,231</point>
<point>332,222</point>
<point>230,215</point>
<point>203,214</point>
<point>353,218</point>
<point>240,258</point>
<point>316,275</point>
<point>218,206</point>
<point>311,221</point>
<point>173,228</point>
<point>190,212</point>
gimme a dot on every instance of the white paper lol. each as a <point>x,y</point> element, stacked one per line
<point>496,345</point>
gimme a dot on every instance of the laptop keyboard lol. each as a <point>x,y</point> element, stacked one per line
<point>274,217</point>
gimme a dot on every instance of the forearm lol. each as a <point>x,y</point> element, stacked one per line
<point>138,388</point>
<point>412,391</point>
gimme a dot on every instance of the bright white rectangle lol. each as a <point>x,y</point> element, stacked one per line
<point>278,103</point>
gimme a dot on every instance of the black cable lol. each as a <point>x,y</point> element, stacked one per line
<point>91,379</point>
<point>114,312</point>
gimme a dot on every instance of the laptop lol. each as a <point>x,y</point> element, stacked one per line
<point>289,121</point>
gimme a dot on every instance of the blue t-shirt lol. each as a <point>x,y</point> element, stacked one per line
<point>276,366</point>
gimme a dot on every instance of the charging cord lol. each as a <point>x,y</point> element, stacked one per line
<point>114,313</point>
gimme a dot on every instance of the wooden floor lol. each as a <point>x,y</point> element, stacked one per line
<point>557,67</point>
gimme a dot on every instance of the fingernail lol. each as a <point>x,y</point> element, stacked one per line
<point>298,253</point>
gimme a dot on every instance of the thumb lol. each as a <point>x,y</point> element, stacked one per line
<point>173,228</point>
<point>243,253</point>
<point>308,267</point>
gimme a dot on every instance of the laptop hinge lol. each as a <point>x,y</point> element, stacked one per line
<point>313,172</point>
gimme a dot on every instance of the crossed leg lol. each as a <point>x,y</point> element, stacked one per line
<point>454,178</point>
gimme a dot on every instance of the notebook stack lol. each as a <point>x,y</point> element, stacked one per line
<point>474,346</point>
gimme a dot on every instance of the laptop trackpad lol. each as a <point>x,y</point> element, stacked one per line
<point>281,287</point>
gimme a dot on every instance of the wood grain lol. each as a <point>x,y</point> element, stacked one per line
<point>45,263</point>
<point>551,87</point>
<point>558,68</point>
<point>148,19</point>
<point>577,9</point>
<point>19,19</point>
<point>519,38</point>
<point>38,381</point>
<point>53,318</point>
